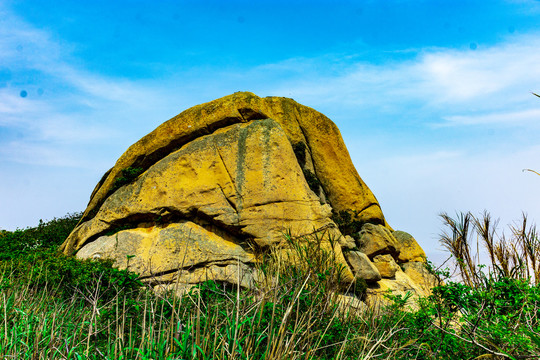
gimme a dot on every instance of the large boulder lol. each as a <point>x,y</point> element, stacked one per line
<point>200,196</point>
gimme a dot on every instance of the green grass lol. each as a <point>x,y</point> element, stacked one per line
<point>55,307</point>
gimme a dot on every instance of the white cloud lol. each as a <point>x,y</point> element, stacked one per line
<point>492,81</point>
<point>509,118</point>
<point>25,152</point>
<point>485,74</point>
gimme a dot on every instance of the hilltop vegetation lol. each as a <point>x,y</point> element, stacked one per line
<point>56,307</point>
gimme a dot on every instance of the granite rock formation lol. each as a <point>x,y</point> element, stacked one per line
<point>200,196</point>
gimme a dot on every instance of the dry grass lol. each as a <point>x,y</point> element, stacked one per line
<point>515,257</point>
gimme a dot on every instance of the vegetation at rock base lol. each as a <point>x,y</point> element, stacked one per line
<point>55,307</point>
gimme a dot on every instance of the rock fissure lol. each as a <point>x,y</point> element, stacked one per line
<point>193,268</point>
<point>222,229</point>
<point>165,216</point>
<point>279,202</point>
<point>249,114</point>
<point>372,220</point>
<point>313,183</point>
<point>229,201</point>
<point>233,183</point>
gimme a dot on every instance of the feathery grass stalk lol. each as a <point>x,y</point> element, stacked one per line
<point>517,257</point>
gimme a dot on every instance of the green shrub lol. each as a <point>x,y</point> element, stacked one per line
<point>32,257</point>
<point>47,235</point>
<point>127,176</point>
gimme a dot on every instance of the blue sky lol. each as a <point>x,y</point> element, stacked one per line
<point>433,98</point>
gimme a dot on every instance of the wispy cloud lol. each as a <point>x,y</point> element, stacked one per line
<point>494,82</point>
<point>44,155</point>
<point>49,100</point>
<point>514,118</point>
<point>24,47</point>
<point>508,70</point>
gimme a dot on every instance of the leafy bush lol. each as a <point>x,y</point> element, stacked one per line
<point>31,256</point>
<point>47,235</point>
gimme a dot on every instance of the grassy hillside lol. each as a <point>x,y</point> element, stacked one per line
<point>55,307</point>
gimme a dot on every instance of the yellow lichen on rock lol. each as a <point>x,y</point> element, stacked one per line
<point>401,285</point>
<point>386,265</point>
<point>184,245</point>
<point>212,178</point>
<point>419,274</point>
<point>301,124</point>
<point>376,239</point>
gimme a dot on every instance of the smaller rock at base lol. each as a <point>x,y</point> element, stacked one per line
<point>376,239</point>
<point>401,285</point>
<point>418,272</point>
<point>386,265</point>
<point>350,305</point>
<point>347,242</point>
<point>362,267</point>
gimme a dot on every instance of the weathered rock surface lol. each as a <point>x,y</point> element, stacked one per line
<point>409,248</point>
<point>347,242</point>
<point>362,267</point>
<point>243,179</point>
<point>401,285</point>
<point>200,196</point>
<point>386,265</point>
<point>160,250</point>
<point>326,154</point>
